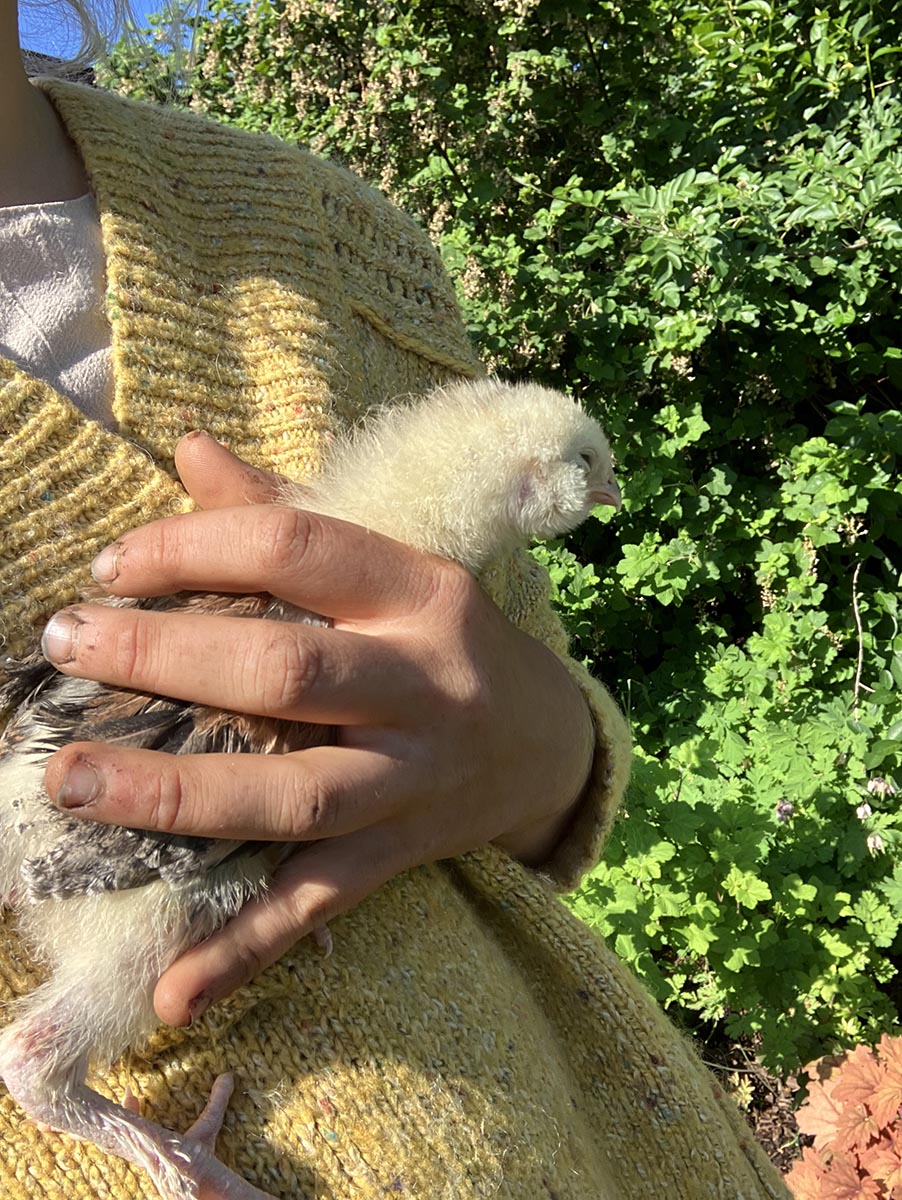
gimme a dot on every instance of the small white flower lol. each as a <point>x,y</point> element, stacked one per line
<point>875,843</point>
<point>863,811</point>
<point>878,786</point>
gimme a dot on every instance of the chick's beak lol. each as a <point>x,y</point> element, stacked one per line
<point>608,493</point>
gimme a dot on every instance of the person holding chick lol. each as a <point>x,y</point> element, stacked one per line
<point>468,1037</point>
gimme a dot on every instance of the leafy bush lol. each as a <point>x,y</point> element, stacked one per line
<point>852,1110</point>
<point>691,217</point>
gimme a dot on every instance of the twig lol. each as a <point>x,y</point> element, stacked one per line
<point>729,1067</point>
<point>757,1072</point>
<point>857,687</point>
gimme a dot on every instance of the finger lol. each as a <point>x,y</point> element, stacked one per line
<point>323,792</point>
<point>214,477</point>
<point>310,889</point>
<point>318,563</point>
<point>269,668</point>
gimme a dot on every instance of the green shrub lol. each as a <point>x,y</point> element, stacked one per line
<point>691,217</point>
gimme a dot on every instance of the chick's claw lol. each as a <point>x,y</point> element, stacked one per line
<point>205,1129</point>
<point>203,1175</point>
<point>322,935</point>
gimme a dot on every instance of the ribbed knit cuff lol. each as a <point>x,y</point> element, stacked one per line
<point>580,848</point>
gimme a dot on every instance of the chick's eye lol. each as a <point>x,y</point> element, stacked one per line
<point>587,458</point>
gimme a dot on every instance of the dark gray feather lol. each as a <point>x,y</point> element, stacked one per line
<point>52,710</point>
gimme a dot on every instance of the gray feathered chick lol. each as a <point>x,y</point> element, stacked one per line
<point>469,473</point>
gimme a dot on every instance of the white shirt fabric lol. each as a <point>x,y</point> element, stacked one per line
<point>52,285</point>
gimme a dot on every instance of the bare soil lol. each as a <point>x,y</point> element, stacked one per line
<point>766,1102</point>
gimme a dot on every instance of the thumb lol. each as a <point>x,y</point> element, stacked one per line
<point>214,477</point>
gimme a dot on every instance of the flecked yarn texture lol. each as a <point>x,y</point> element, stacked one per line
<point>469,1037</point>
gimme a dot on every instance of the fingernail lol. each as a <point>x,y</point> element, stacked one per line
<point>197,433</point>
<point>81,785</point>
<point>197,1007</point>
<point>105,566</point>
<point>59,637</point>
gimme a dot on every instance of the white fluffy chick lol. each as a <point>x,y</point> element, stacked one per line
<point>469,473</point>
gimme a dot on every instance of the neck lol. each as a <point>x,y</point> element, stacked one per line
<point>40,163</point>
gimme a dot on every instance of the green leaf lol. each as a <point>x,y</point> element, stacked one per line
<point>743,954</point>
<point>746,888</point>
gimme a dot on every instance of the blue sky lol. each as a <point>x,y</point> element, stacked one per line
<point>46,30</point>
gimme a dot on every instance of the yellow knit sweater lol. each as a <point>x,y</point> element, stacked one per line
<point>468,1038</point>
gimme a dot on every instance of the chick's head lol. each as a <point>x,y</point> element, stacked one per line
<point>564,466</point>
<point>470,472</point>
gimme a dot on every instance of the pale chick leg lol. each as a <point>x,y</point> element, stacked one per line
<point>99,1001</point>
<point>181,1166</point>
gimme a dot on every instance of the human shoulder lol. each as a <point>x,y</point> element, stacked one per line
<point>266,193</point>
<point>202,149</point>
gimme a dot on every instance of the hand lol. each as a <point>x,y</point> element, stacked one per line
<point>454,728</point>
